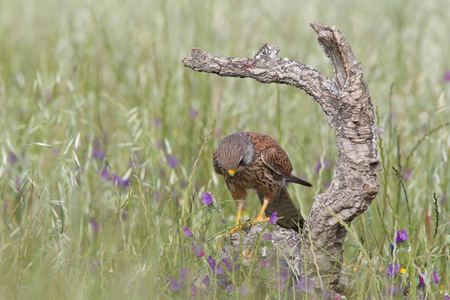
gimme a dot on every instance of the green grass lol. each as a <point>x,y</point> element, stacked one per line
<point>81,77</point>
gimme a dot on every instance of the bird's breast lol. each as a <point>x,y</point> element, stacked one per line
<point>256,176</point>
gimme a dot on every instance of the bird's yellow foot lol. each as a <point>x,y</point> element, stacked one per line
<point>259,219</point>
<point>241,226</point>
<point>238,221</point>
<point>236,228</point>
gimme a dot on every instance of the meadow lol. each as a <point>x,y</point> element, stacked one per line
<point>107,142</point>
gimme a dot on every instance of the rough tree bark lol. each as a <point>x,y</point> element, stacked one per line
<point>349,111</point>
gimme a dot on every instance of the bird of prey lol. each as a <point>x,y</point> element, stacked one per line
<point>249,160</point>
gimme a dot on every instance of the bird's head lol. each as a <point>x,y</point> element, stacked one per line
<point>235,152</point>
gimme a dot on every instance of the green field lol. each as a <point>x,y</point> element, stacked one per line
<point>102,126</point>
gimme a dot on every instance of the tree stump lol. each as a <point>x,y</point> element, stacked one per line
<point>317,252</point>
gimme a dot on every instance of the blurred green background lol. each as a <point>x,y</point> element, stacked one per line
<point>100,126</point>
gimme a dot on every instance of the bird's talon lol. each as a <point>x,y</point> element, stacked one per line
<point>259,220</point>
<point>236,228</point>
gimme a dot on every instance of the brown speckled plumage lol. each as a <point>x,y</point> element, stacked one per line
<point>260,164</point>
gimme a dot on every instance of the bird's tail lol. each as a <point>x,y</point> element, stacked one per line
<point>289,216</point>
<point>298,180</point>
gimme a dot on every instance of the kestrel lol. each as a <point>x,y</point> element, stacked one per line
<point>249,160</point>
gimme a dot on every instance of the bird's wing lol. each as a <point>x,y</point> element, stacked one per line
<point>277,160</point>
<point>289,216</point>
<point>216,163</point>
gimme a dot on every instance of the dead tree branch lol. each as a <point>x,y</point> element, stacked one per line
<point>348,107</point>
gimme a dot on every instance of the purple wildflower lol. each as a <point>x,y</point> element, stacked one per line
<point>265,264</point>
<point>231,289</point>
<point>268,237</point>
<point>94,266</point>
<point>443,200</point>
<point>283,263</point>
<point>174,285</point>
<point>211,262</point>
<point>119,181</point>
<point>193,289</point>
<point>12,158</point>
<point>326,294</point>
<point>243,290</point>
<point>219,269</point>
<point>173,161</point>
<point>284,274</point>
<point>223,280</point>
<point>273,219</point>
<point>116,179</point>
<point>105,174</point>
<point>392,248</point>
<point>207,199</point>
<point>391,290</point>
<point>123,213</point>
<point>393,269</point>
<point>206,281</point>
<point>422,277</point>
<point>187,232</point>
<point>305,284</point>
<point>227,264</point>
<point>125,182</point>
<point>446,76</point>
<point>183,272</point>
<point>421,281</point>
<point>319,166</point>
<point>98,154</point>
<point>401,236</point>
<point>198,251</point>
<point>435,276</point>
<point>95,226</point>
<point>193,113</point>
<point>399,288</point>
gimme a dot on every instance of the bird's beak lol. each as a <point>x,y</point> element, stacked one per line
<point>231,172</point>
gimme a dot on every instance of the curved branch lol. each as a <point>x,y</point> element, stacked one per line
<point>348,107</point>
<point>265,67</point>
